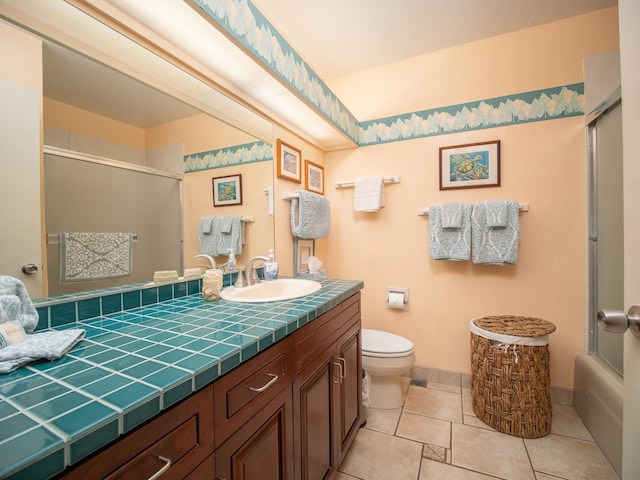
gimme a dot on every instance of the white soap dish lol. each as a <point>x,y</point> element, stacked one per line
<point>165,276</point>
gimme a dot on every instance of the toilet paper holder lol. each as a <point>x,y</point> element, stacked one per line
<point>397,298</point>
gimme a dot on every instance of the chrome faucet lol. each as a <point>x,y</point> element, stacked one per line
<point>212,261</point>
<point>252,275</point>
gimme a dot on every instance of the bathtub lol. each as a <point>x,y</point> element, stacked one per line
<point>598,400</point>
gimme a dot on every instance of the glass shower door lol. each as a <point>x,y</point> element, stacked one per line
<point>606,243</point>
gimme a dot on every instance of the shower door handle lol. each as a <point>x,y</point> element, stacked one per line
<point>616,321</point>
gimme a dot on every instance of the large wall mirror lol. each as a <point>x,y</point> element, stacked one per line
<point>140,155</point>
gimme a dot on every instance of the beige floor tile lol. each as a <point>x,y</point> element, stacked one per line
<point>569,458</point>
<point>439,454</point>
<point>343,476</point>
<point>425,429</point>
<point>382,420</point>
<point>474,421</point>
<point>444,387</point>
<point>544,476</point>
<point>378,456</point>
<point>488,452</point>
<point>434,403</point>
<point>439,471</point>
<point>467,408</point>
<point>565,421</point>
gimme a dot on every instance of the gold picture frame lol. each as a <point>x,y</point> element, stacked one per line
<point>314,177</point>
<point>289,162</point>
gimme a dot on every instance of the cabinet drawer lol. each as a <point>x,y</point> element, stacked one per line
<point>239,394</point>
<point>175,443</point>
<point>256,384</point>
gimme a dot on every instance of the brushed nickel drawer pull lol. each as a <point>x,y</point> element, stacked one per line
<point>266,385</point>
<point>338,378</point>
<point>167,465</point>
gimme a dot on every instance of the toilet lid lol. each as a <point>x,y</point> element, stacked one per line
<point>376,342</point>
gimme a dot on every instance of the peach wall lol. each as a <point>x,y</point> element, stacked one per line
<point>198,202</point>
<point>198,133</point>
<point>531,59</point>
<point>61,115</point>
<point>201,133</point>
<point>543,164</point>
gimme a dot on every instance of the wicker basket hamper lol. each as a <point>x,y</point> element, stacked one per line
<point>510,385</point>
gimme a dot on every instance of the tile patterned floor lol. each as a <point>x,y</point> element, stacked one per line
<point>436,436</point>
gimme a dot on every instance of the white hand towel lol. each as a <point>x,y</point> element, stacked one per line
<point>369,194</point>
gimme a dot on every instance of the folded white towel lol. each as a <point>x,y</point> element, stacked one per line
<point>369,194</point>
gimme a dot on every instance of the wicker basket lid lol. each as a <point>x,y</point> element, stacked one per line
<point>514,325</point>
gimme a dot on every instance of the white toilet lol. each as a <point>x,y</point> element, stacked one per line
<point>386,356</point>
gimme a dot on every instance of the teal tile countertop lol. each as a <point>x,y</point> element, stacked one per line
<point>130,366</point>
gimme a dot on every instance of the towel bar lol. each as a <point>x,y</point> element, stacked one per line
<point>54,238</point>
<point>523,207</point>
<point>352,183</point>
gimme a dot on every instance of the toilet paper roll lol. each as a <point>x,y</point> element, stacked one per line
<point>396,300</point>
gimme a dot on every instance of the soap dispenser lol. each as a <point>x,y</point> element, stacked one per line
<point>271,267</point>
<point>231,263</point>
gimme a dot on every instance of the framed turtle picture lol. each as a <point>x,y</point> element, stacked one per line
<point>470,166</point>
<point>227,190</point>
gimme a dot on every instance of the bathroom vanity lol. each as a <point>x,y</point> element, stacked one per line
<point>284,403</point>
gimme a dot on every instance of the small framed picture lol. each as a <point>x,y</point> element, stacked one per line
<point>304,249</point>
<point>471,165</point>
<point>289,162</point>
<point>314,177</point>
<point>227,190</point>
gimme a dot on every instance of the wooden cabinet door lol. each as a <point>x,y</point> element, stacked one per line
<point>347,394</point>
<point>205,471</point>
<point>263,447</point>
<point>312,414</point>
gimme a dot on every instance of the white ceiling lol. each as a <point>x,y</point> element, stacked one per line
<point>339,37</point>
<point>335,37</point>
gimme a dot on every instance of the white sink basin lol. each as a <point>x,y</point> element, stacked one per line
<point>272,291</point>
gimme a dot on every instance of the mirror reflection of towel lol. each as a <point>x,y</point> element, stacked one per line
<point>86,256</point>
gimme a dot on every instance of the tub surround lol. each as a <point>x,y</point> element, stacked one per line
<point>138,358</point>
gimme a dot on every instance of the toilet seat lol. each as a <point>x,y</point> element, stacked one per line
<point>376,343</point>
